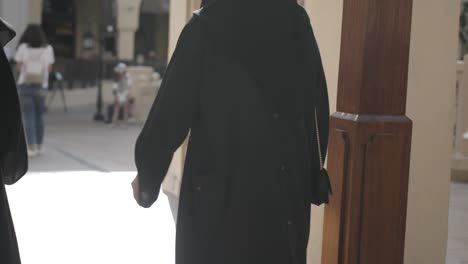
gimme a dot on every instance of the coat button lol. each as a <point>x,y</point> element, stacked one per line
<point>283,167</point>
<point>198,187</point>
<point>289,222</point>
<point>275,115</point>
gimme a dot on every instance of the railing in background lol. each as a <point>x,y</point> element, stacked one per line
<point>460,144</point>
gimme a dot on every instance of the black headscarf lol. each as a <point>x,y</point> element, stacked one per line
<point>267,37</point>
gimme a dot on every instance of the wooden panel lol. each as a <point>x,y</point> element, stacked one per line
<point>334,228</point>
<point>384,195</point>
<point>369,167</point>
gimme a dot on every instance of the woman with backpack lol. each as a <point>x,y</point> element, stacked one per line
<point>34,59</point>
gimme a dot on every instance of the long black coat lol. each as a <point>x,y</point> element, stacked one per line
<point>245,195</point>
<point>13,157</point>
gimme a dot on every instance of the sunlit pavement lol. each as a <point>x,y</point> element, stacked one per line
<point>89,217</point>
<point>76,205</point>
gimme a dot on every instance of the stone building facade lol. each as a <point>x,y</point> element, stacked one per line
<point>130,28</point>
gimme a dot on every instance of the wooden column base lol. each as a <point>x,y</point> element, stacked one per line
<point>369,169</point>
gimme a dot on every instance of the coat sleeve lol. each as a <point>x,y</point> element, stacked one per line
<point>171,116</point>
<point>322,109</point>
<point>13,155</point>
<point>317,81</point>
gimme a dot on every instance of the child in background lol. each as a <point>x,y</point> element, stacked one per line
<point>122,85</point>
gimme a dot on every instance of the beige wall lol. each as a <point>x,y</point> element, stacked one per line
<point>35,11</point>
<point>431,101</point>
<point>326,17</point>
<point>180,12</point>
<point>177,21</point>
<point>193,5</point>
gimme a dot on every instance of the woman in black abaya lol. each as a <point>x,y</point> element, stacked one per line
<point>13,157</point>
<point>247,81</point>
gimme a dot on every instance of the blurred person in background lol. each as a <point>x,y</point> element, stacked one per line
<point>34,58</point>
<point>122,87</point>
<point>13,157</point>
<point>247,81</point>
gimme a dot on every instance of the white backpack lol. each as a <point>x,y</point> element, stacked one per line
<point>35,68</point>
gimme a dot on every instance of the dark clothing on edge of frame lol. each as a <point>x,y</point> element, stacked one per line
<point>13,157</point>
<point>246,190</point>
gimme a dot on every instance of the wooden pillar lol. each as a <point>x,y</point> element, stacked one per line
<point>370,137</point>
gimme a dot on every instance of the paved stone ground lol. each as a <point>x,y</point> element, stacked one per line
<point>81,144</point>
<point>76,206</point>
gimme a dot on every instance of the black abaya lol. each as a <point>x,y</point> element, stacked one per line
<point>13,155</point>
<point>246,190</point>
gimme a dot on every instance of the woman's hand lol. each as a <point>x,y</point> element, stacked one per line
<point>136,189</point>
